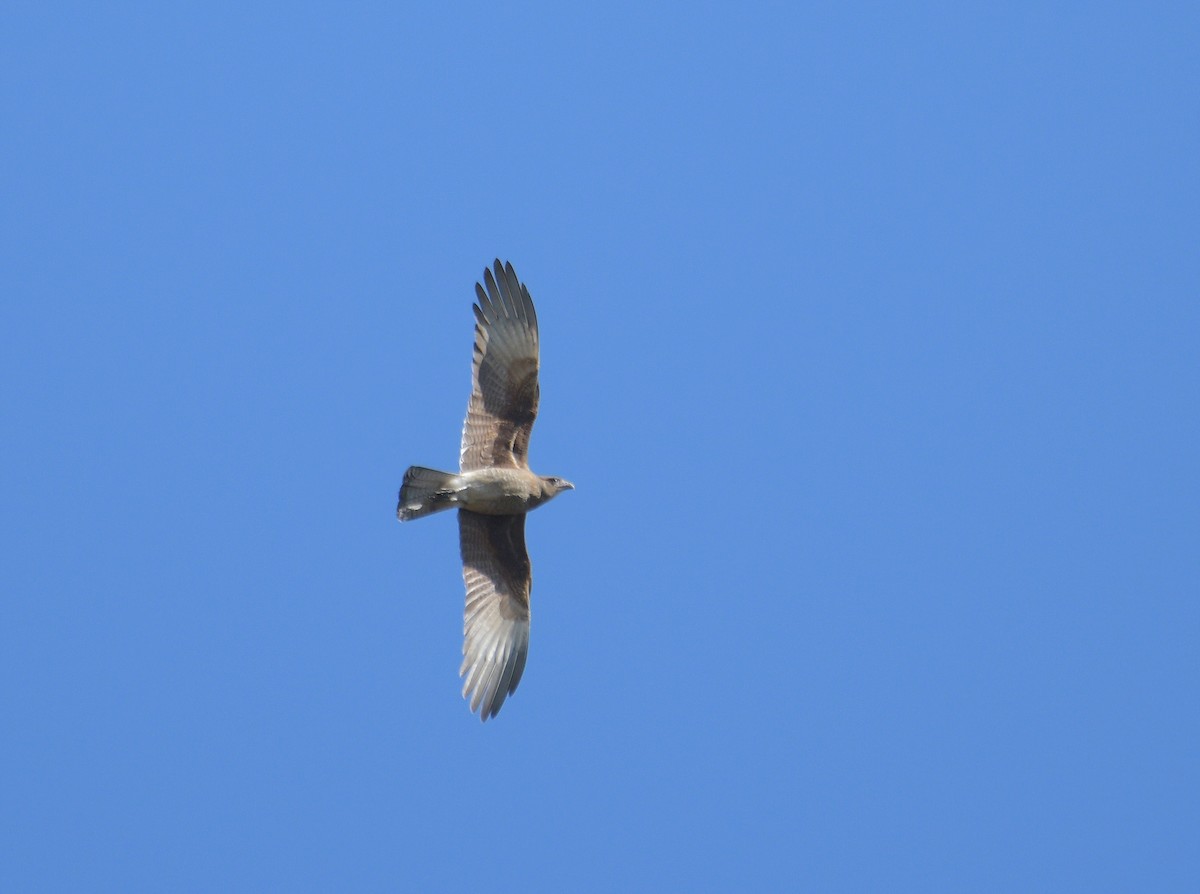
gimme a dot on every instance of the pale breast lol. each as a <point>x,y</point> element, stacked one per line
<point>499,491</point>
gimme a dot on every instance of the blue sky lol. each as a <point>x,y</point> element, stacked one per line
<point>869,338</point>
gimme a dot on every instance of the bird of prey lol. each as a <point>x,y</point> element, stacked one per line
<point>493,490</point>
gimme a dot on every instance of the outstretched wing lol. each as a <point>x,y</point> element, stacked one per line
<point>504,378</point>
<point>497,572</point>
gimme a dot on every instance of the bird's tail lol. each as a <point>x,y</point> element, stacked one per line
<point>426,491</point>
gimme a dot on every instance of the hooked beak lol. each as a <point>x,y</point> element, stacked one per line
<point>567,485</point>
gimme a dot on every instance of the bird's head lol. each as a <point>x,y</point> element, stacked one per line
<point>552,486</point>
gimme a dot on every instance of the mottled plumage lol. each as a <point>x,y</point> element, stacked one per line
<point>493,490</point>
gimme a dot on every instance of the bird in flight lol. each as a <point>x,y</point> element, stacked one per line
<point>493,490</point>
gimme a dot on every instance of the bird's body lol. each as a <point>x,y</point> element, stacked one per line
<point>485,491</point>
<point>493,490</point>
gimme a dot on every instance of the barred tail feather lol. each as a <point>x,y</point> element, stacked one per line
<point>426,491</point>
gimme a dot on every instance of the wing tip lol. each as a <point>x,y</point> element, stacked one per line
<point>509,297</point>
<point>490,677</point>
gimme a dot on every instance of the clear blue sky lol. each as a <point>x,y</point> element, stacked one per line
<point>869,338</point>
